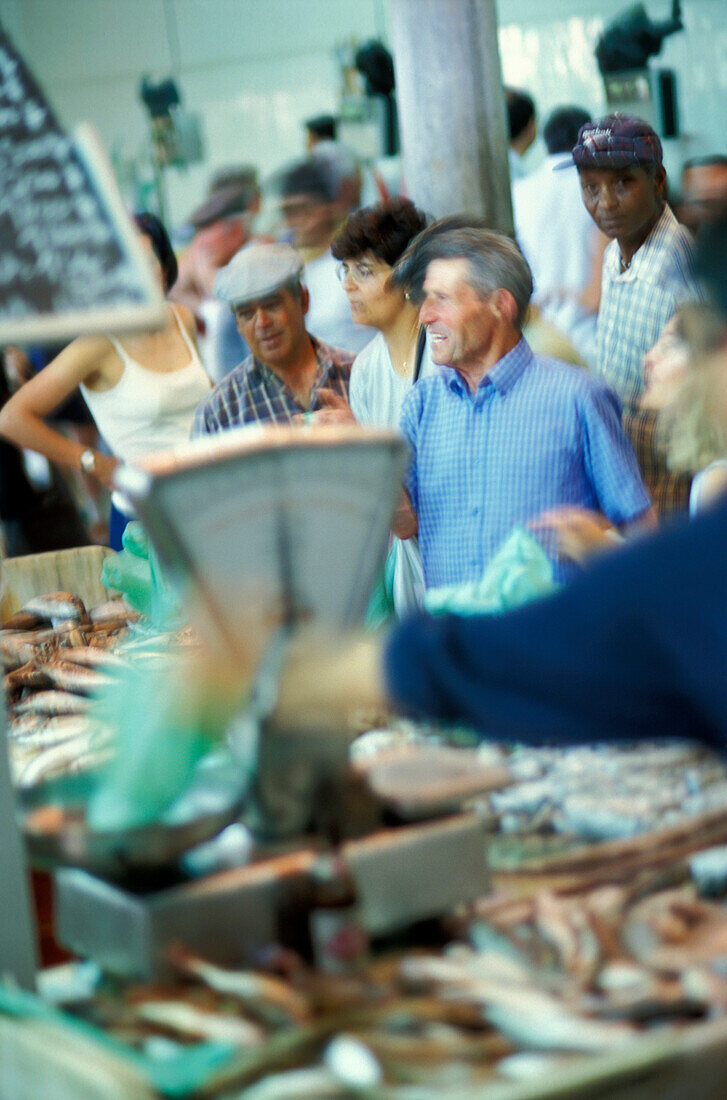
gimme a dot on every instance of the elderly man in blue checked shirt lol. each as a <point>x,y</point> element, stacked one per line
<point>287,367</point>
<point>499,435</point>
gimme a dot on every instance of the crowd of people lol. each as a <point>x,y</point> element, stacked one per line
<point>554,379</point>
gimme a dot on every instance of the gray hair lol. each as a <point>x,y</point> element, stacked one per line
<point>494,260</point>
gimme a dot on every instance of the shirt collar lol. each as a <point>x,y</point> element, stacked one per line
<point>323,358</point>
<point>644,256</point>
<point>502,376</point>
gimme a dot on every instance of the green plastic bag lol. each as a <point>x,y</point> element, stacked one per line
<point>381,605</point>
<point>136,573</point>
<point>520,571</point>
<point>128,570</point>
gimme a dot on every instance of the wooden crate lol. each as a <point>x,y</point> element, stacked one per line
<point>77,570</point>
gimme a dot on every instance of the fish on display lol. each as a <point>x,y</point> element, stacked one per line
<point>79,752</point>
<point>93,657</point>
<point>29,676</point>
<point>113,611</point>
<point>57,607</point>
<point>75,677</point>
<point>53,702</point>
<point>52,729</point>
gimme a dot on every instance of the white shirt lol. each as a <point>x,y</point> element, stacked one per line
<point>558,238</point>
<point>517,165</point>
<point>376,392</point>
<point>329,314</point>
<point>147,410</point>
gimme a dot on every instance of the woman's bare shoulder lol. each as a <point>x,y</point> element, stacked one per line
<point>187,318</point>
<point>84,356</point>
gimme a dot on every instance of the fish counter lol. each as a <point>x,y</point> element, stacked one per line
<point>267,917</point>
<point>594,963</point>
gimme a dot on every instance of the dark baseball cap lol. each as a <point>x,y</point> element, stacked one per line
<point>615,141</point>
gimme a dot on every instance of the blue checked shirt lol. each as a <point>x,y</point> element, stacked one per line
<point>536,434</point>
<point>253,394</point>
<point>637,303</point>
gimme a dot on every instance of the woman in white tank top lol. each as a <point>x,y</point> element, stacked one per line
<point>142,393</point>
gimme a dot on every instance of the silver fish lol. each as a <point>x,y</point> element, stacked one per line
<point>57,759</point>
<point>93,657</point>
<point>188,1020</point>
<point>53,730</point>
<point>57,606</point>
<point>111,611</point>
<point>75,678</point>
<point>53,702</point>
<point>25,725</point>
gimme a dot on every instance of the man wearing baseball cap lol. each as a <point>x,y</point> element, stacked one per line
<point>647,269</point>
<point>287,367</point>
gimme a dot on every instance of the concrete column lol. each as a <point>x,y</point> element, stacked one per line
<point>452,108</point>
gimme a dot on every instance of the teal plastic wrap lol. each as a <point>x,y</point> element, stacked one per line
<point>381,605</point>
<point>131,576</point>
<point>136,573</point>
<point>520,571</point>
<point>158,746</point>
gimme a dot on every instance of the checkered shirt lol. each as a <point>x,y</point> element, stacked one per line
<point>253,394</point>
<point>535,434</point>
<point>668,489</point>
<point>637,303</point>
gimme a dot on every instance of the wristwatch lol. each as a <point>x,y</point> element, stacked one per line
<point>88,461</point>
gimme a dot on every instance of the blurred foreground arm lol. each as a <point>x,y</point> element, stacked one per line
<point>636,648</point>
<point>327,681</point>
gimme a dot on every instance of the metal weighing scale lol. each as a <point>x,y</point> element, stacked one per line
<point>262,530</point>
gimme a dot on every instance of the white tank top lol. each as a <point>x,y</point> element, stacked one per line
<point>148,410</point>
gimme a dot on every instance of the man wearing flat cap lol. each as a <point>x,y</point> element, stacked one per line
<point>287,367</point>
<point>647,268</point>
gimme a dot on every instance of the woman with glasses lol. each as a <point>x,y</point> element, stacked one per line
<point>367,247</point>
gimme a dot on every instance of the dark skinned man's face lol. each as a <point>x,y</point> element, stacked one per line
<point>625,203</point>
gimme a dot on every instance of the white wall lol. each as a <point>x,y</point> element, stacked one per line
<point>255,69</point>
<point>548,49</point>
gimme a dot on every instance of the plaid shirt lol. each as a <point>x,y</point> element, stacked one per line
<point>253,394</point>
<point>535,434</point>
<point>668,489</point>
<point>637,303</point>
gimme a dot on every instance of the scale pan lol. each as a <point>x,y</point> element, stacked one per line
<point>53,822</point>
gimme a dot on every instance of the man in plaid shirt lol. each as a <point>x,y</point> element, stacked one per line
<point>648,268</point>
<point>288,367</point>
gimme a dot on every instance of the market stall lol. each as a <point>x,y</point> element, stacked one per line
<point>408,920</point>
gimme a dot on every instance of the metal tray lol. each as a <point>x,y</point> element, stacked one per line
<point>53,822</point>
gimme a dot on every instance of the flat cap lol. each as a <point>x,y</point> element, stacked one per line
<point>256,271</point>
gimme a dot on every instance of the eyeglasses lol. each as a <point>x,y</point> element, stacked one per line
<point>360,273</point>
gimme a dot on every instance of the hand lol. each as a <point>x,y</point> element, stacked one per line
<point>579,533</point>
<point>405,524</point>
<point>335,410</point>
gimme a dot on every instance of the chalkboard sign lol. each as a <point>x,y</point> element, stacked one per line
<point>70,261</point>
